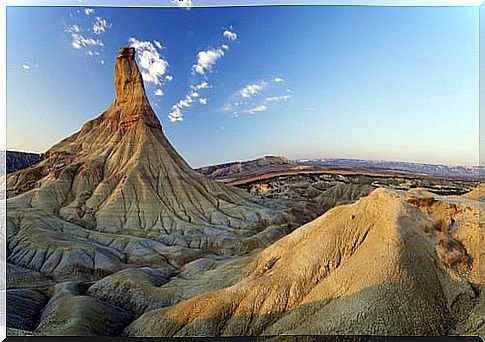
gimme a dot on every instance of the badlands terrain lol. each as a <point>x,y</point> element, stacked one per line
<point>112,233</point>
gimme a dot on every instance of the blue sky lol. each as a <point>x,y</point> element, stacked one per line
<point>393,83</point>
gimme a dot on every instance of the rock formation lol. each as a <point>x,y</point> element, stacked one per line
<point>389,264</point>
<point>241,169</point>
<point>117,194</point>
<point>477,193</point>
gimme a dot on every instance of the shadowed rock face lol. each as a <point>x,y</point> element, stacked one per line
<point>20,160</point>
<point>117,194</point>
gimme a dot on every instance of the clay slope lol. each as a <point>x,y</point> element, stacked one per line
<point>116,193</point>
<point>477,193</point>
<point>391,263</point>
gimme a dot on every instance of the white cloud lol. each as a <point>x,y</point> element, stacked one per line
<point>152,65</point>
<point>169,78</point>
<point>206,59</point>
<point>249,99</point>
<point>203,85</point>
<point>26,67</point>
<point>74,29</point>
<point>175,115</point>
<point>100,25</point>
<point>185,102</point>
<point>257,109</point>
<point>158,92</point>
<point>79,41</point>
<point>158,44</point>
<point>230,35</point>
<point>252,89</point>
<point>278,98</point>
<point>87,38</point>
<point>187,4</point>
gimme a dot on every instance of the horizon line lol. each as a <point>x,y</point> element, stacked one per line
<point>295,159</point>
<point>242,160</point>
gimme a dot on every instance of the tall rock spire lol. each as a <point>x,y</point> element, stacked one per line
<point>131,100</point>
<point>119,178</point>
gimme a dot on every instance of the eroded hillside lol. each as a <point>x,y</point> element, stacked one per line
<point>390,264</point>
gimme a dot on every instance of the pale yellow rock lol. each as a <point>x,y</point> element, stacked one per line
<point>477,193</point>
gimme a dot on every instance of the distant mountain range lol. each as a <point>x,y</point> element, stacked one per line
<point>415,168</point>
